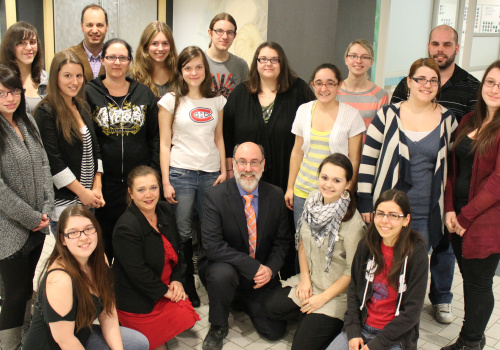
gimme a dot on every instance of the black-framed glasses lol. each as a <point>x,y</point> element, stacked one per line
<point>113,58</point>
<point>329,84</point>
<point>76,234</point>
<point>264,60</point>
<point>423,81</point>
<point>220,32</point>
<point>254,163</point>
<point>355,57</point>
<point>491,83</point>
<point>391,216</point>
<point>13,92</point>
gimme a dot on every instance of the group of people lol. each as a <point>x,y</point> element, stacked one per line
<point>318,201</point>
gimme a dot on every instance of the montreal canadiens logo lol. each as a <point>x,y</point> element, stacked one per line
<point>201,115</point>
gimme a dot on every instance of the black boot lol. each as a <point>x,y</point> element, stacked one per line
<point>462,344</point>
<point>189,286</point>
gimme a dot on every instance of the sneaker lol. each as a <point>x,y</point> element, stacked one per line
<point>443,313</point>
<point>215,337</point>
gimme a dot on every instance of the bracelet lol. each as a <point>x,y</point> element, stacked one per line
<point>229,170</point>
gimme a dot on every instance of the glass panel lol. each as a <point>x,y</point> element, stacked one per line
<point>447,12</point>
<point>483,51</point>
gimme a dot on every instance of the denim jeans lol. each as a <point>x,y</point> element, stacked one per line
<point>367,333</point>
<point>442,263</point>
<point>190,187</point>
<point>132,340</point>
<point>298,208</point>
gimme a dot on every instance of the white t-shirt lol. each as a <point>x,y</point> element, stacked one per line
<point>193,132</point>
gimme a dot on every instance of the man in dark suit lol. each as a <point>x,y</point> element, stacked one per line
<point>94,23</point>
<point>245,240</point>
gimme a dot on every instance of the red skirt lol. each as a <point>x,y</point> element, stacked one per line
<point>167,319</point>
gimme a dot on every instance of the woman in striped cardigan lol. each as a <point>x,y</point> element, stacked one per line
<point>406,148</point>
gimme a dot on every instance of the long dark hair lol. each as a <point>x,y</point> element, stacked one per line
<point>342,161</point>
<point>330,66</point>
<point>181,88</point>
<point>15,35</point>
<point>11,80</point>
<point>65,120</point>
<point>143,66</point>
<point>102,282</point>
<point>405,242</point>
<point>286,78</point>
<point>484,140</point>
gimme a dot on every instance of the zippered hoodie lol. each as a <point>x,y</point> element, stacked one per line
<point>128,132</point>
<point>403,329</point>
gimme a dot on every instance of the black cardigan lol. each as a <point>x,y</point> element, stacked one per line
<point>62,154</point>
<point>140,258</point>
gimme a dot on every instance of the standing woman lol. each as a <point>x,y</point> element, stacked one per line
<point>149,268</point>
<point>327,237</point>
<point>77,283</point>
<point>357,90</point>
<point>227,70</point>
<point>125,115</point>
<point>322,127</point>
<point>65,124</point>
<point>388,282</point>
<point>472,208</point>
<point>406,148</point>
<point>22,51</point>
<point>192,153</point>
<point>26,203</point>
<point>155,58</point>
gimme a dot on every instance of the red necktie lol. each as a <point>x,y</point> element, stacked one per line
<point>251,224</point>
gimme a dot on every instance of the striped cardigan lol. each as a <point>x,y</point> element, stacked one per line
<point>385,163</point>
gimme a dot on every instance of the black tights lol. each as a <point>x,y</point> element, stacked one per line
<point>17,276</point>
<point>478,290</point>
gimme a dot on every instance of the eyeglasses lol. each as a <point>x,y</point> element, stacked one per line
<point>264,60</point>
<point>31,42</point>
<point>329,84</point>
<point>220,32</point>
<point>14,92</point>
<point>391,216</point>
<point>355,57</point>
<point>76,234</point>
<point>491,83</point>
<point>423,81</point>
<point>113,58</point>
<point>254,163</point>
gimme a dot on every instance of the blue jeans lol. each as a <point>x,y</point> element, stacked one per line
<point>298,208</point>
<point>442,264</point>
<point>132,340</point>
<point>190,187</point>
<point>367,333</point>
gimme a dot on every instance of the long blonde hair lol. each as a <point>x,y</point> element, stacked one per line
<point>142,70</point>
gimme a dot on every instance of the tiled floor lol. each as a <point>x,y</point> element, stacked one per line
<point>242,335</point>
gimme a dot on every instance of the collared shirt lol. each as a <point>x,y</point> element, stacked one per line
<point>94,61</point>
<point>255,199</point>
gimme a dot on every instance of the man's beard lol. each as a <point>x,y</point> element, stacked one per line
<point>448,62</point>
<point>247,184</point>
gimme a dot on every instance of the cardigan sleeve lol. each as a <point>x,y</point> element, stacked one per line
<point>153,132</point>
<point>352,318</point>
<point>228,120</point>
<point>369,160</point>
<point>46,121</point>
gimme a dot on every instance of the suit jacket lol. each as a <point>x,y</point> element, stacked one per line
<point>225,234</point>
<point>140,258</point>
<point>87,70</point>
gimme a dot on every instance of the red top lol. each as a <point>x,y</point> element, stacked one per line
<point>481,216</point>
<point>381,306</point>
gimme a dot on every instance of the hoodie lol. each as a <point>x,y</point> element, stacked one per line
<point>127,131</point>
<point>403,329</point>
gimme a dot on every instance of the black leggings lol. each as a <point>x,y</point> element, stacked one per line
<point>478,290</point>
<point>17,276</point>
<point>315,331</point>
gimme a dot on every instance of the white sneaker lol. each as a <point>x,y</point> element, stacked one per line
<point>443,313</point>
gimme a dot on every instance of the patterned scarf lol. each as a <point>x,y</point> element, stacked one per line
<point>324,221</point>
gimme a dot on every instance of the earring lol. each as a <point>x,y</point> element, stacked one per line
<point>434,100</point>
<point>345,195</point>
<point>408,94</point>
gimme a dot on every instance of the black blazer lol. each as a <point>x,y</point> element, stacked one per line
<point>140,257</point>
<point>62,154</point>
<point>225,234</point>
